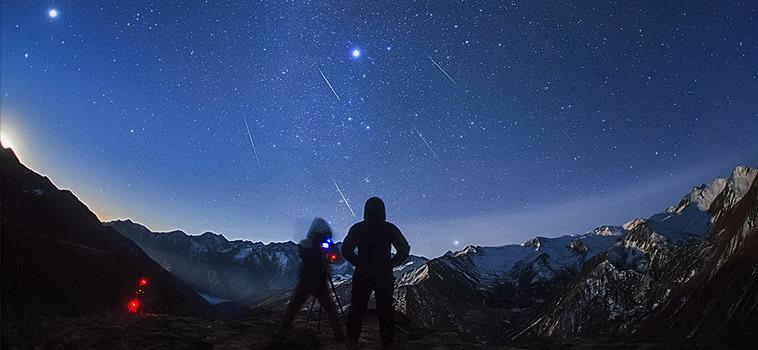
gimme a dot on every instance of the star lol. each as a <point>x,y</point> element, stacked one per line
<point>53,13</point>
<point>356,53</point>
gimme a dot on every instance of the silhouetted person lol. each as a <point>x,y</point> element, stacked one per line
<point>313,278</point>
<point>373,237</point>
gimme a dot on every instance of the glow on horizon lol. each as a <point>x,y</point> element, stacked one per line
<point>6,141</point>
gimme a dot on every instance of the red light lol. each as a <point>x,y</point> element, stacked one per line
<point>143,282</point>
<point>133,305</point>
<point>333,257</point>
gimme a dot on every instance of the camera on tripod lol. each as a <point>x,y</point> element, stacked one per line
<point>330,251</point>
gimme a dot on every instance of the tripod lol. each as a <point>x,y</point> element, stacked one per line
<point>313,301</point>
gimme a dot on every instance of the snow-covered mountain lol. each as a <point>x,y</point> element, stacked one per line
<point>605,281</point>
<point>701,280</point>
<point>223,270</point>
<point>687,271</point>
<point>217,268</point>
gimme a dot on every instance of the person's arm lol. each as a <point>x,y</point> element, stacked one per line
<point>401,246</point>
<point>348,248</point>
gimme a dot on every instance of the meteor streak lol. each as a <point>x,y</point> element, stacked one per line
<point>343,197</point>
<point>428,146</point>
<point>443,71</point>
<point>569,137</point>
<point>327,83</point>
<point>255,153</point>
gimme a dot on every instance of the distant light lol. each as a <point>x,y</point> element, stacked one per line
<point>356,53</point>
<point>143,282</point>
<point>325,245</point>
<point>53,13</point>
<point>133,305</point>
<point>455,242</point>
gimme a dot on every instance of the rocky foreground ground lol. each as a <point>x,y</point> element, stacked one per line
<point>257,332</point>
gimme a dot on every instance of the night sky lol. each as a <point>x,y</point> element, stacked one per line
<point>478,122</point>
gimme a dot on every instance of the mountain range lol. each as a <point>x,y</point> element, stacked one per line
<point>223,270</point>
<point>688,272</point>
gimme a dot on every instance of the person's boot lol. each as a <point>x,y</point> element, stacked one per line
<point>352,345</point>
<point>339,337</point>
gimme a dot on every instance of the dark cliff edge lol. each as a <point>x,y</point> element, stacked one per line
<point>58,259</point>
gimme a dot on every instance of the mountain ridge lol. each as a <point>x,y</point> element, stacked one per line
<point>519,290</point>
<point>230,270</point>
<point>58,258</point>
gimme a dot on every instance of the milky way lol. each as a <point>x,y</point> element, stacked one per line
<point>136,106</point>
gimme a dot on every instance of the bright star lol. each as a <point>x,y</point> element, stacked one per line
<point>53,13</point>
<point>356,53</point>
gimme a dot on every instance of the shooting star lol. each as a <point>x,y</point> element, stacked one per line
<point>255,152</point>
<point>569,137</point>
<point>427,145</point>
<point>443,71</point>
<point>343,197</point>
<point>327,83</point>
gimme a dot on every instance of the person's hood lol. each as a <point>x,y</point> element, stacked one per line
<point>374,209</point>
<point>319,230</point>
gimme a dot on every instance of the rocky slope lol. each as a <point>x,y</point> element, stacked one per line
<point>610,281</point>
<point>697,279</point>
<point>57,258</point>
<point>215,266</point>
<point>487,289</point>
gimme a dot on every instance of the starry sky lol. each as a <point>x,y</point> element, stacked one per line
<point>478,122</point>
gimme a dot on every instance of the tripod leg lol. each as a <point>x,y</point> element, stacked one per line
<point>334,290</point>
<point>318,324</point>
<point>308,317</point>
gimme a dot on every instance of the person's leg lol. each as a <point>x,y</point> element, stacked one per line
<point>358,303</point>
<point>300,296</point>
<point>324,296</point>
<point>385,310</point>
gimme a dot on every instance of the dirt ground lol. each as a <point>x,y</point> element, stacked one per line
<point>257,332</point>
<point>170,332</point>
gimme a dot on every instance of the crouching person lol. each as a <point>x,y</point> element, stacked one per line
<point>313,278</point>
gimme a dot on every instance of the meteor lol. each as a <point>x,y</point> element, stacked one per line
<point>427,145</point>
<point>443,71</point>
<point>255,153</point>
<point>343,197</point>
<point>327,83</point>
<point>569,137</point>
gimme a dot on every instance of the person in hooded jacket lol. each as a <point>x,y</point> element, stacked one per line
<point>313,278</point>
<point>373,238</point>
